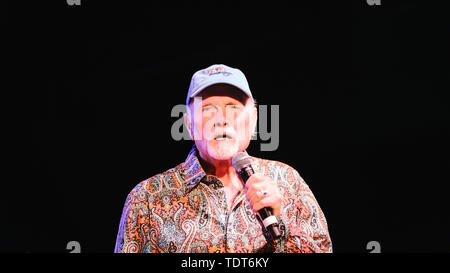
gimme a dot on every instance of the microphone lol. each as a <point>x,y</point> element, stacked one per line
<point>241,162</point>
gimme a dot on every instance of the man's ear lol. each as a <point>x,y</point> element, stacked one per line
<point>187,123</point>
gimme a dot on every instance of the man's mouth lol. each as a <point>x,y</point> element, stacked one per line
<point>222,137</point>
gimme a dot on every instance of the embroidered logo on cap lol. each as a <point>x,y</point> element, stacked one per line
<point>217,70</point>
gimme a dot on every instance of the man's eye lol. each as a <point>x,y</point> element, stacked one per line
<point>234,107</point>
<point>208,108</point>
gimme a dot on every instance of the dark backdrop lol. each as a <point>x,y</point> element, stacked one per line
<point>364,112</point>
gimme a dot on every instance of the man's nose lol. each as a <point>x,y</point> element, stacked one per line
<point>220,118</point>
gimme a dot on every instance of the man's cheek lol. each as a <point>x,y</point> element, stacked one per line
<point>199,130</point>
<point>242,129</point>
<point>202,125</point>
<point>207,129</point>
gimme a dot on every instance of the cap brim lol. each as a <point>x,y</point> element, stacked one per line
<point>214,83</point>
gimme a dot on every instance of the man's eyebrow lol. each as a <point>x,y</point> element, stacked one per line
<point>207,104</point>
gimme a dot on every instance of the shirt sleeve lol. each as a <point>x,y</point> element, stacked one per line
<point>304,223</point>
<point>134,228</point>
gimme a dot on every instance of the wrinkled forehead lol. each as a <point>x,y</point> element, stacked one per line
<point>222,91</point>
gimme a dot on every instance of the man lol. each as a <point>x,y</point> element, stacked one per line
<point>202,205</point>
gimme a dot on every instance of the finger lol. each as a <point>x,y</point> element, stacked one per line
<point>254,179</point>
<point>271,202</point>
<point>253,190</point>
<point>263,203</point>
<point>253,196</point>
<point>258,197</point>
<point>276,211</point>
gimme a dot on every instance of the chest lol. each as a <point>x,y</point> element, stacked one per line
<point>209,220</point>
<point>232,195</point>
<point>233,192</point>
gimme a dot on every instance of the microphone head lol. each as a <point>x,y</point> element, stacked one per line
<point>240,160</point>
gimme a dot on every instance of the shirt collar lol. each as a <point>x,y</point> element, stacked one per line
<point>193,172</point>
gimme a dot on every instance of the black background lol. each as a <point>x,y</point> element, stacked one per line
<point>364,111</point>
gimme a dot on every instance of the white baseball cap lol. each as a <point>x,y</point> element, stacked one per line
<point>217,73</point>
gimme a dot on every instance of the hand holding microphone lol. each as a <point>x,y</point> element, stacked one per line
<point>262,193</point>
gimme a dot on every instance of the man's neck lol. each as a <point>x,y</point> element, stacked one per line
<point>223,170</point>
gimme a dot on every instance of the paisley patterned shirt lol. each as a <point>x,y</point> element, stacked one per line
<point>185,210</point>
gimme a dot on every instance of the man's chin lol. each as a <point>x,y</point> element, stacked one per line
<point>222,150</point>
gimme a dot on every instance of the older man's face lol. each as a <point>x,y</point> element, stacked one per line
<point>222,121</point>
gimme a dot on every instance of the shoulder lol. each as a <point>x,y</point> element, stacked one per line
<point>162,183</point>
<point>275,169</point>
<point>285,175</point>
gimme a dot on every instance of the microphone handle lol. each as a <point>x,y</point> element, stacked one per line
<point>246,172</point>
<point>270,222</point>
